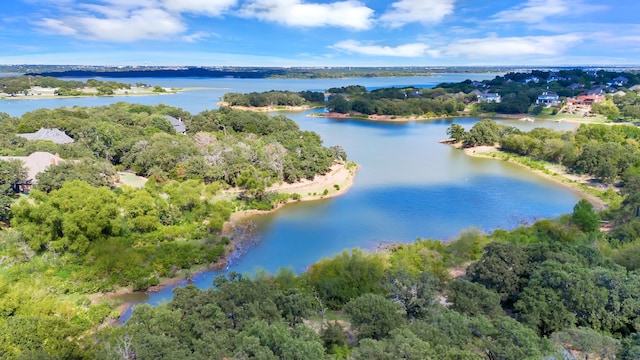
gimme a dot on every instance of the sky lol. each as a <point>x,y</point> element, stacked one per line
<point>320,32</point>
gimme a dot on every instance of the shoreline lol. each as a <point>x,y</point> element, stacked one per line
<point>49,94</point>
<point>271,108</point>
<point>406,119</point>
<point>572,183</point>
<point>342,174</point>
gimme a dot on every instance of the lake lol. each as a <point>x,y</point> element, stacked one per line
<point>409,185</point>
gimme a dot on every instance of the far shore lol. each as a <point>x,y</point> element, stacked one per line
<point>555,173</point>
<point>403,119</point>
<point>336,181</point>
<point>49,93</point>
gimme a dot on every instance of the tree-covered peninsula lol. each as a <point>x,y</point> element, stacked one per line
<point>45,86</point>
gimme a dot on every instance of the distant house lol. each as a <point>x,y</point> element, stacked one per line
<point>54,135</point>
<point>598,90</point>
<point>478,84</point>
<point>619,81</point>
<point>548,98</point>
<point>34,164</point>
<point>585,99</point>
<point>554,77</point>
<point>489,97</point>
<point>635,88</point>
<point>533,79</point>
<point>177,124</point>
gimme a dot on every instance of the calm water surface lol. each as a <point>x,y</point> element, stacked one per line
<point>409,186</point>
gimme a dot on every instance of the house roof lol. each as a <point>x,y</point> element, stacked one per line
<point>548,94</point>
<point>54,135</point>
<point>177,124</point>
<point>36,163</point>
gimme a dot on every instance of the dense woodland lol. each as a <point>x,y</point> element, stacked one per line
<point>77,234</point>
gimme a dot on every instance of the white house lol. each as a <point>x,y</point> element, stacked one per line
<point>548,98</point>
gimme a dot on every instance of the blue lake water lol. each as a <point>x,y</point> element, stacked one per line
<point>409,185</point>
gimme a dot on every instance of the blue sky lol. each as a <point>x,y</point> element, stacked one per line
<point>320,32</point>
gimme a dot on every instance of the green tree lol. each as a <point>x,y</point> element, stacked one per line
<point>585,217</point>
<point>373,316</point>
<point>456,131</point>
<point>484,132</point>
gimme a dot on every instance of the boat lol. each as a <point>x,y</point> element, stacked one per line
<point>527,119</point>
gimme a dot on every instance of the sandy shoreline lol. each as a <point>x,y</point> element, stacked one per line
<point>273,108</point>
<point>557,175</point>
<point>340,174</point>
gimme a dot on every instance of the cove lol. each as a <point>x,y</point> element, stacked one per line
<point>409,186</point>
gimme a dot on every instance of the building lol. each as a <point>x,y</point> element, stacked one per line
<point>533,79</point>
<point>53,135</point>
<point>489,97</point>
<point>177,124</point>
<point>619,81</point>
<point>548,98</point>
<point>585,99</point>
<point>34,164</point>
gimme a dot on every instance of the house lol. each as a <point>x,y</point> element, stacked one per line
<point>177,124</point>
<point>635,88</point>
<point>34,164</point>
<point>490,97</point>
<point>53,135</point>
<point>554,77</point>
<point>548,98</point>
<point>585,100</point>
<point>533,79</point>
<point>597,90</point>
<point>619,81</point>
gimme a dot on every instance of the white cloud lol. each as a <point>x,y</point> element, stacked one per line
<point>406,50</point>
<point>424,11</point>
<point>536,11</point>
<point>58,27</point>
<point>138,24</point>
<point>205,7</point>
<point>496,47</point>
<point>348,14</point>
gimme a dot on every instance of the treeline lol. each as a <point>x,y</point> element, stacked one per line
<point>604,152</point>
<point>274,98</point>
<point>21,84</point>
<point>408,101</point>
<point>542,291</point>
<point>609,154</point>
